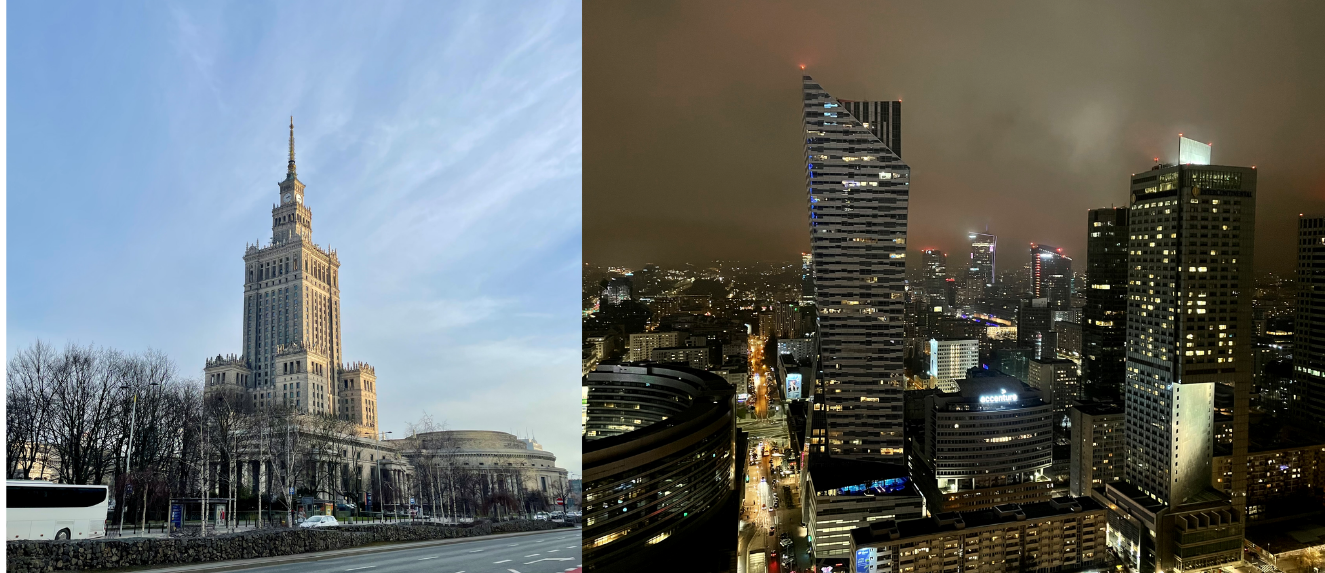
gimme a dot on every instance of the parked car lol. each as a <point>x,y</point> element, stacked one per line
<point>319,521</point>
<point>540,516</point>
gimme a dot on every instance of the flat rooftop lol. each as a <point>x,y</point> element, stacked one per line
<point>831,473</point>
<point>881,532</point>
<point>1288,536</point>
<point>1093,408</point>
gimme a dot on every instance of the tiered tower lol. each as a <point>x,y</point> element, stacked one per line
<point>358,397</point>
<point>292,344</point>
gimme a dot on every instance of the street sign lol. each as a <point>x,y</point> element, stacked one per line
<point>177,516</point>
<point>411,501</point>
<point>561,501</point>
<point>291,490</point>
<point>128,489</point>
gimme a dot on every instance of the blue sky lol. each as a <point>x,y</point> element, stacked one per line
<point>440,143</point>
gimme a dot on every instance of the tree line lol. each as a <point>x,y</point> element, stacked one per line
<point>91,415</point>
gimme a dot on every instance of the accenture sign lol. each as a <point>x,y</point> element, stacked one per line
<point>1004,398</point>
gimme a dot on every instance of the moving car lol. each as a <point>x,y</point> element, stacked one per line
<point>319,521</point>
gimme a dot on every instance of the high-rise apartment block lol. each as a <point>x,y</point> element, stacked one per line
<point>292,344</point>
<point>949,359</point>
<point>1104,319</point>
<point>780,321</point>
<point>1190,236</point>
<point>1059,384</point>
<point>857,193</point>
<point>1098,449</point>
<point>643,343</point>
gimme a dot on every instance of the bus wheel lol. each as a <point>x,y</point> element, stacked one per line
<point>62,534</point>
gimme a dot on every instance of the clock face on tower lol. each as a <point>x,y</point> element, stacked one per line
<point>287,196</point>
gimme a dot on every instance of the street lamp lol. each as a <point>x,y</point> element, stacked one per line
<point>128,457</point>
<point>380,500</point>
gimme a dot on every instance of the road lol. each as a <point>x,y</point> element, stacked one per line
<point>556,551</point>
<point>760,375</point>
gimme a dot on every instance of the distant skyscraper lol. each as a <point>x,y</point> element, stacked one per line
<point>1051,275</point>
<point>807,279</point>
<point>1104,319</point>
<point>981,269</point>
<point>617,290</point>
<point>1309,327</point>
<point>859,273</point>
<point>1191,230</point>
<point>935,275</point>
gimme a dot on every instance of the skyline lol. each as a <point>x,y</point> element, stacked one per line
<point>998,130</point>
<point>459,287</point>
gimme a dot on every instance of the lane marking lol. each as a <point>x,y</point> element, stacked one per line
<point>513,571</point>
<point>502,561</point>
<point>554,550</point>
<point>551,559</point>
<point>358,568</point>
<point>427,558</point>
<point>513,545</point>
<point>476,551</point>
<point>533,555</point>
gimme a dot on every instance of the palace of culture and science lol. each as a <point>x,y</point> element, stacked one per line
<point>292,349</point>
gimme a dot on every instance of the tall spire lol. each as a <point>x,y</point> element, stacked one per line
<point>291,171</point>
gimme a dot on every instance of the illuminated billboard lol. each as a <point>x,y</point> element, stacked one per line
<point>865,560</point>
<point>794,386</point>
<point>1193,152</point>
<point>876,487</point>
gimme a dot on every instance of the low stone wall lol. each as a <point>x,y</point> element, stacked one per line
<point>84,554</point>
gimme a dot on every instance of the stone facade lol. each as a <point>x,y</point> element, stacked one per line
<point>292,329</point>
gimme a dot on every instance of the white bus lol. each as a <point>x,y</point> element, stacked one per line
<point>45,510</point>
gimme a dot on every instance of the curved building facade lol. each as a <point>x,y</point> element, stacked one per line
<point>986,444</point>
<point>508,463</point>
<point>995,430</point>
<point>659,462</point>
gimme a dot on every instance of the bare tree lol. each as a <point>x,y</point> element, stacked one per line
<point>84,400</point>
<point>281,441</point>
<point>29,411</point>
<point>230,429</point>
<point>351,484</point>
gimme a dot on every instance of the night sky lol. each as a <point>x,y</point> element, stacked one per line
<point>1017,117</point>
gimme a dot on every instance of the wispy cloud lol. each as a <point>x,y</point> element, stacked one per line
<point>441,146</point>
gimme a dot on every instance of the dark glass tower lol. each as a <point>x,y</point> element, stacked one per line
<point>1309,326</point>
<point>1104,319</point>
<point>1051,275</point>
